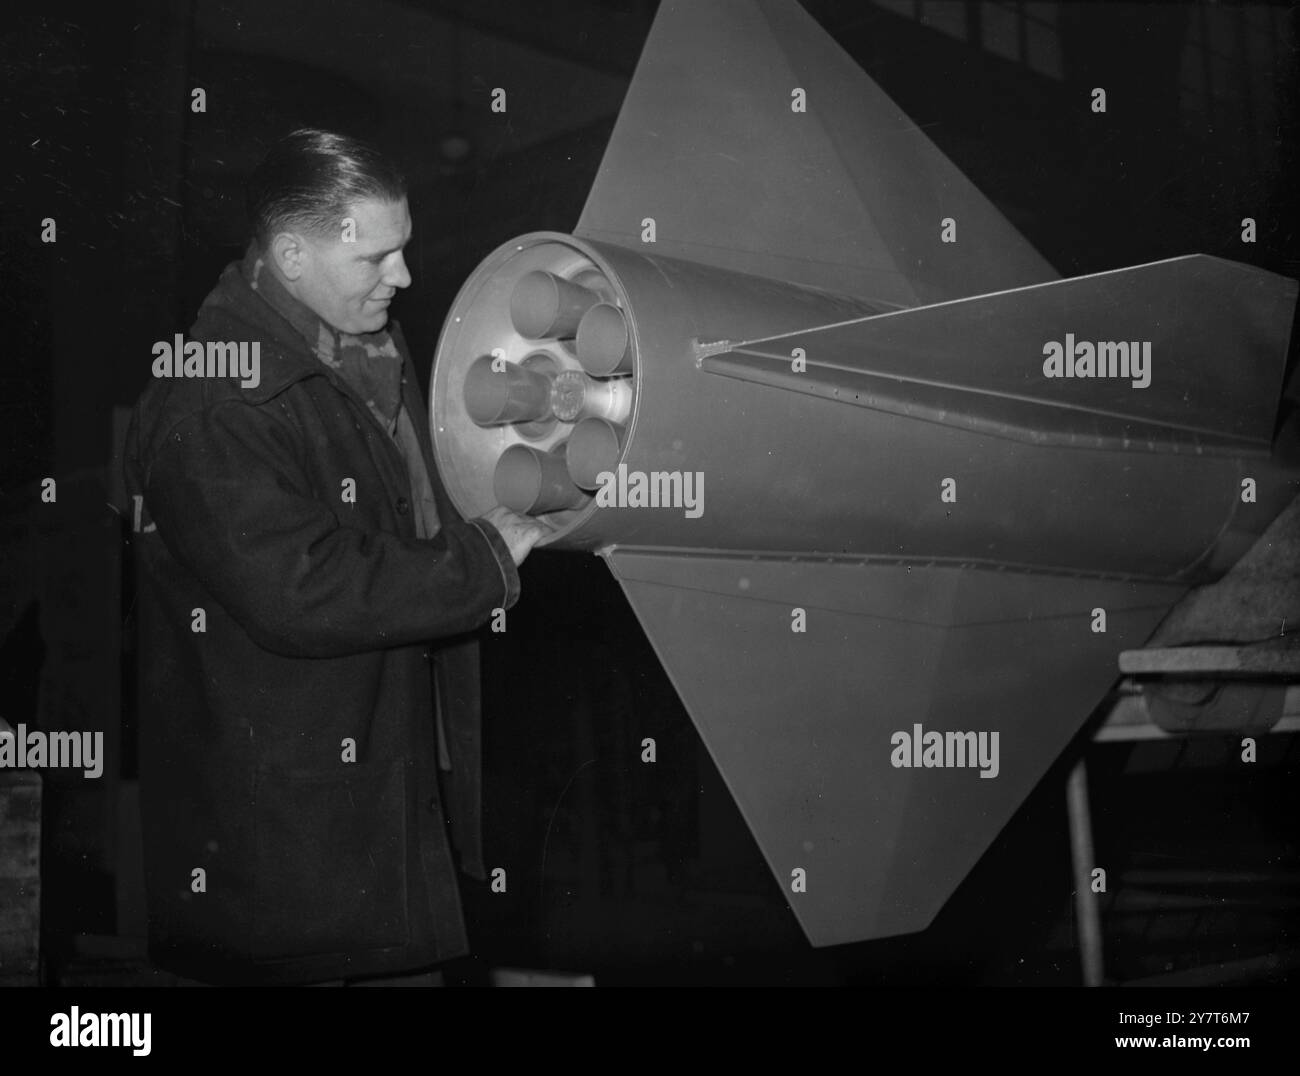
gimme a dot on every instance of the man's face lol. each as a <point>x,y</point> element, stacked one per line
<point>349,284</point>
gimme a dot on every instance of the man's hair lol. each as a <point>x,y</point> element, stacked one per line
<point>310,178</point>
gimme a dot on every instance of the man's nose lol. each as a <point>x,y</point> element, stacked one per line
<point>398,275</point>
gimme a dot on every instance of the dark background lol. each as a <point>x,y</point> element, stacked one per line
<point>636,873</point>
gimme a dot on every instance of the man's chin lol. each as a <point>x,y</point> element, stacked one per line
<point>371,323</point>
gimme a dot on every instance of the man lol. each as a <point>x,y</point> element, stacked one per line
<point>299,560</point>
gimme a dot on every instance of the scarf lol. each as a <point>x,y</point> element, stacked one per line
<point>371,365</point>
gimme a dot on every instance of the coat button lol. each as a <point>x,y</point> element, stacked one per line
<point>433,805</point>
<point>403,505</point>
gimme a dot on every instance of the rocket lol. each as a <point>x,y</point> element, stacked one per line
<point>936,487</point>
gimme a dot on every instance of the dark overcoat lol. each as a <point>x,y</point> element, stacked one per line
<point>293,631</point>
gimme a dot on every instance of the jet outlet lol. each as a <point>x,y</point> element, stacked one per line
<point>594,447</point>
<point>533,482</point>
<point>499,392</point>
<point>545,306</point>
<point>604,344</point>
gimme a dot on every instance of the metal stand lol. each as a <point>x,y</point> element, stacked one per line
<point>1086,911</point>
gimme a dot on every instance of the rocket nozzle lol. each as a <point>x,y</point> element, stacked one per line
<point>594,447</point>
<point>498,392</point>
<point>533,482</point>
<point>604,343</point>
<point>545,306</point>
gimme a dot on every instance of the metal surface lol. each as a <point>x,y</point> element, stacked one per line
<point>800,724</point>
<point>594,448</point>
<point>1082,861</point>
<point>978,363</point>
<point>544,305</point>
<point>847,195</point>
<point>790,473</point>
<point>532,481</point>
<point>944,553</point>
<point>499,397</point>
<point>604,343</point>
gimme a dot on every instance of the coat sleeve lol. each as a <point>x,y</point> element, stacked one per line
<point>234,506</point>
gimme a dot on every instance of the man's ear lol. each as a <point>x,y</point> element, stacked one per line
<point>288,254</point>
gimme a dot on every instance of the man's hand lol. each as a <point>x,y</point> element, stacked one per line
<point>520,533</point>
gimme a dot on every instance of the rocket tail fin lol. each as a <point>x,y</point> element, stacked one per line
<point>1208,337</point>
<point>801,724</point>
<point>756,143</point>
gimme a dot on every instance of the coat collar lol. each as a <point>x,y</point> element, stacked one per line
<point>233,311</point>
